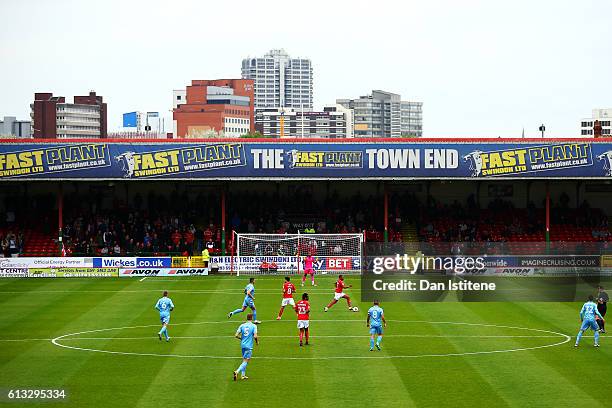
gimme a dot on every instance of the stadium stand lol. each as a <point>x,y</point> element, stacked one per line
<point>153,225</point>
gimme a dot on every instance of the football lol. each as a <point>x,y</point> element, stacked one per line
<point>355,309</point>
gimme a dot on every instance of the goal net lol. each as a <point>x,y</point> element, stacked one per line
<point>285,253</point>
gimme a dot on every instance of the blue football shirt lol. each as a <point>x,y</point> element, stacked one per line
<point>164,305</point>
<point>247,332</point>
<point>588,311</point>
<point>376,314</point>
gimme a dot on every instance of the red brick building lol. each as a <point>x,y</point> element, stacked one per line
<point>221,107</point>
<point>53,118</point>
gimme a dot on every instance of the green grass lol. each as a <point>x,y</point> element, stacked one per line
<point>281,373</point>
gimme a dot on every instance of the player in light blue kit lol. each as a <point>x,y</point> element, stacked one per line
<point>587,316</point>
<point>246,333</point>
<point>165,306</point>
<point>376,320</point>
<point>249,300</point>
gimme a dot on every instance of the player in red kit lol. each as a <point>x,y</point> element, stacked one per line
<point>309,269</point>
<point>288,291</point>
<point>302,308</point>
<point>339,293</point>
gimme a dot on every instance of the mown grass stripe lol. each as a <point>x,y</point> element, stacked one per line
<point>440,376</point>
<point>169,385</point>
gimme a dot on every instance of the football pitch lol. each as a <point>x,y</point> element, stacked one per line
<point>97,340</point>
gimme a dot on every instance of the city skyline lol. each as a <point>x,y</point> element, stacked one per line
<point>481,69</point>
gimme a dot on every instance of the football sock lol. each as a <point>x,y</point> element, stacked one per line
<point>254,314</point>
<point>242,367</point>
<point>579,336</point>
<point>379,340</point>
<point>307,335</point>
<point>280,312</point>
<point>237,311</point>
<point>301,336</point>
<point>371,342</point>
<point>596,337</point>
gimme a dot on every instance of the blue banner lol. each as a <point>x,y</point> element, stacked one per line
<point>276,160</point>
<point>130,119</point>
<point>131,262</point>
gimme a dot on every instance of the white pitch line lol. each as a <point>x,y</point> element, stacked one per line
<point>365,336</point>
<point>25,340</point>
<point>143,279</point>
<point>427,336</point>
<point>565,339</point>
<point>64,337</point>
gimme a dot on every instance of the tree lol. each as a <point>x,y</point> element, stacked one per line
<point>253,135</point>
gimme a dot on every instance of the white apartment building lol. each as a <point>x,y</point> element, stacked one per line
<point>52,117</point>
<point>384,114</point>
<point>334,122</point>
<point>604,116</point>
<point>280,81</point>
<point>75,121</point>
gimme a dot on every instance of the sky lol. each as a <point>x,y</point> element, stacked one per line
<point>481,68</point>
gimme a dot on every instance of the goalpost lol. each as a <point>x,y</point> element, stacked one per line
<point>284,253</point>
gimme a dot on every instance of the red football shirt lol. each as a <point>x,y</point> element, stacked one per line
<point>288,290</point>
<point>302,308</point>
<point>340,286</point>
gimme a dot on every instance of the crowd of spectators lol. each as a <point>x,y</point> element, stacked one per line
<point>155,225</point>
<point>12,243</point>
<point>151,227</point>
<point>502,222</point>
<point>137,233</point>
<point>254,212</point>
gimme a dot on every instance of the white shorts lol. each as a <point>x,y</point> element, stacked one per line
<point>338,296</point>
<point>302,324</point>
<point>288,301</point>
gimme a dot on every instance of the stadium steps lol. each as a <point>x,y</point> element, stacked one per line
<point>410,237</point>
<point>409,233</point>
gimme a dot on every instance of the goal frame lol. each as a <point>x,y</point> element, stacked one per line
<point>235,261</point>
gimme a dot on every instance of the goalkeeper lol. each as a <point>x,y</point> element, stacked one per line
<point>309,269</point>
